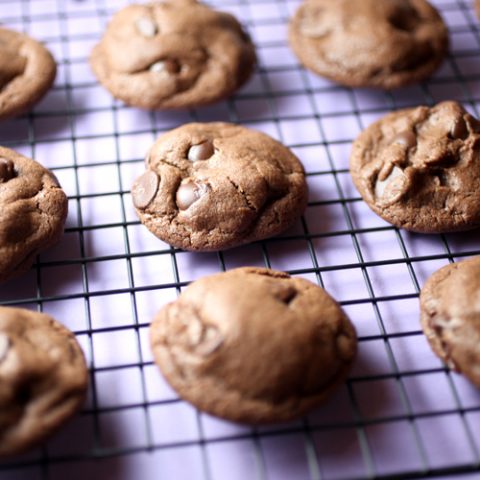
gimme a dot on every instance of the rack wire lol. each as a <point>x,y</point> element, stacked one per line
<point>401,414</point>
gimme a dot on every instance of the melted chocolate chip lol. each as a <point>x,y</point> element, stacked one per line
<point>406,138</point>
<point>144,189</point>
<point>188,193</point>
<point>168,66</point>
<point>313,24</point>
<point>459,129</point>
<point>7,170</point>
<point>202,151</point>
<point>146,26</point>
<point>4,346</point>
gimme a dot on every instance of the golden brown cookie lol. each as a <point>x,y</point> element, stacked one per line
<point>253,345</point>
<point>43,378</point>
<point>173,54</point>
<point>27,71</point>
<point>33,209</point>
<point>212,186</point>
<point>450,316</point>
<point>419,168</point>
<point>369,43</point>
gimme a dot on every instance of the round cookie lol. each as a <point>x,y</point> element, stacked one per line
<point>253,345</point>
<point>369,43</point>
<point>173,54</point>
<point>27,71</point>
<point>450,316</point>
<point>33,209</point>
<point>419,168</point>
<point>212,186</point>
<point>43,377</point>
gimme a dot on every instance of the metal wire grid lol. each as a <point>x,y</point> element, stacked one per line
<point>400,415</point>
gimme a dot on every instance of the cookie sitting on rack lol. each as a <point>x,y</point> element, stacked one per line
<point>419,168</point>
<point>33,209</point>
<point>27,71</point>
<point>43,378</point>
<point>369,43</point>
<point>254,345</point>
<point>450,316</point>
<point>212,186</point>
<point>173,54</point>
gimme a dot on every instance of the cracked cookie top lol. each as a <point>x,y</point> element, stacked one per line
<point>43,378</point>
<point>212,186</point>
<point>27,71</point>
<point>419,168</point>
<point>253,345</point>
<point>369,43</point>
<point>33,209</point>
<point>450,316</point>
<point>173,54</point>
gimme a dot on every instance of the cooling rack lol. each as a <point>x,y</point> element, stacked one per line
<point>401,414</point>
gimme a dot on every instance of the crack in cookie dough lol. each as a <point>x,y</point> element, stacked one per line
<point>222,345</point>
<point>219,195</point>
<point>33,209</point>
<point>43,376</point>
<point>27,71</point>
<point>420,168</point>
<point>361,43</point>
<point>173,54</point>
<point>450,316</point>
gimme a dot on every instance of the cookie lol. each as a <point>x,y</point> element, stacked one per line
<point>369,43</point>
<point>33,209</point>
<point>27,71</point>
<point>450,316</point>
<point>253,345</point>
<point>212,186</point>
<point>173,54</point>
<point>419,168</point>
<point>43,378</point>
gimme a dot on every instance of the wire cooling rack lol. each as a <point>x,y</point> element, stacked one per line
<point>400,415</point>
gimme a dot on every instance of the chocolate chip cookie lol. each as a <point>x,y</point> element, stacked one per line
<point>450,316</point>
<point>212,186</point>
<point>173,54</point>
<point>419,168</point>
<point>369,43</point>
<point>253,345</point>
<point>27,71</point>
<point>33,209</point>
<point>43,378</point>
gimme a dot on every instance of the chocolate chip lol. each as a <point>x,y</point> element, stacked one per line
<point>145,188</point>
<point>167,66</point>
<point>406,138</point>
<point>188,193</point>
<point>4,346</point>
<point>202,151</point>
<point>313,25</point>
<point>459,129</point>
<point>146,26</point>
<point>7,170</point>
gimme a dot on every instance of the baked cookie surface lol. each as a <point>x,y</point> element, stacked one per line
<point>369,43</point>
<point>450,316</point>
<point>173,54</point>
<point>33,209</point>
<point>43,378</point>
<point>27,71</point>
<point>419,168</point>
<point>253,345</point>
<point>212,186</point>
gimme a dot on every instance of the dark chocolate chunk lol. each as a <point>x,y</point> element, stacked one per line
<point>144,189</point>
<point>202,151</point>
